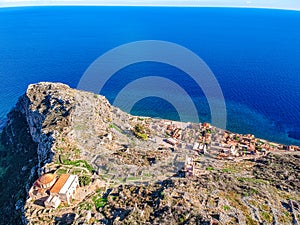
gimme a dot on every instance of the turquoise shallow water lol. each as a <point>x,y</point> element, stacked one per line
<point>254,54</point>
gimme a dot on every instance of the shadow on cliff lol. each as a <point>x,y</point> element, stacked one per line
<point>19,159</point>
<point>67,218</point>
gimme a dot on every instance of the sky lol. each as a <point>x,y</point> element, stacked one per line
<point>279,4</point>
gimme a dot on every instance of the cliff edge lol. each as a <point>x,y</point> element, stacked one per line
<point>136,170</point>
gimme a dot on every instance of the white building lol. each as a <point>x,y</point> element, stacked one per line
<point>65,187</point>
<point>172,141</point>
<point>52,202</point>
<point>196,146</point>
<point>233,150</point>
<point>61,189</point>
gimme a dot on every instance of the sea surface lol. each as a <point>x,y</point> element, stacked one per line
<point>253,53</point>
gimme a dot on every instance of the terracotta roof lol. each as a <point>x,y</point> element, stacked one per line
<point>46,178</point>
<point>59,183</point>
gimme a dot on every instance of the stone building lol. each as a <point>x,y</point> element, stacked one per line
<point>42,185</point>
<point>193,168</point>
<point>46,180</point>
<point>52,202</point>
<point>55,190</point>
<point>65,187</point>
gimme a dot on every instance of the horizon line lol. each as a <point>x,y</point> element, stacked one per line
<point>246,5</point>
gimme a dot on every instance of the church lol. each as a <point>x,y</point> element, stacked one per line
<point>55,190</point>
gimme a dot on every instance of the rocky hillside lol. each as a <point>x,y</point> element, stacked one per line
<point>130,176</point>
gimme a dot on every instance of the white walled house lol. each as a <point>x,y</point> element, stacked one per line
<point>52,202</point>
<point>65,187</point>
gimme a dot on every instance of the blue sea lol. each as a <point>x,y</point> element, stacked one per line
<point>253,53</point>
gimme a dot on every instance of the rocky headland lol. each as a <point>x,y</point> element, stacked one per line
<point>136,170</point>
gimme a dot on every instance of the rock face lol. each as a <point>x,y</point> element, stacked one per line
<point>43,111</point>
<point>20,157</point>
<point>47,110</point>
<point>39,125</point>
<point>54,128</point>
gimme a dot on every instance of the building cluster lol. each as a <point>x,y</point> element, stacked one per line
<point>52,190</point>
<point>292,148</point>
<point>238,145</point>
<point>206,139</point>
<point>241,145</point>
<point>194,168</point>
<point>175,134</point>
<point>197,138</point>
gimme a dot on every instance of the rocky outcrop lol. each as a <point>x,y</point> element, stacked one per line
<point>53,126</point>
<point>20,154</point>
<point>47,118</point>
<point>48,108</point>
<point>28,138</point>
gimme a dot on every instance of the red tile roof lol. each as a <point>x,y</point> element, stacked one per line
<point>59,183</point>
<point>46,178</point>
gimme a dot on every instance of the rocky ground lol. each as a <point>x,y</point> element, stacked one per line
<point>53,127</point>
<point>245,192</point>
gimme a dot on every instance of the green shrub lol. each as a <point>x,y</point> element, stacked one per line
<point>82,163</point>
<point>209,168</point>
<point>114,126</point>
<point>61,171</point>
<point>84,180</point>
<point>267,216</point>
<point>142,136</point>
<point>226,207</point>
<point>259,148</point>
<point>99,202</point>
<point>141,131</point>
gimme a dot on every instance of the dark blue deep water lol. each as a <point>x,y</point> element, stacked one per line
<point>254,54</point>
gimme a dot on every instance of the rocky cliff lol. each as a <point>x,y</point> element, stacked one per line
<point>28,139</point>
<point>47,118</point>
<point>56,129</point>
